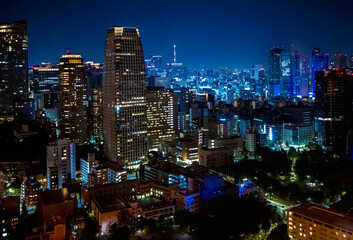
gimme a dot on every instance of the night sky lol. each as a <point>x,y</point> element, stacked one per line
<point>207,33</point>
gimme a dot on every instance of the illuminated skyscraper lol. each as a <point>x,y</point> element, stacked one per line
<point>13,64</point>
<point>96,114</point>
<point>318,63</point>
<point>72,99</point>
<point>290,78</point>
<point>274,71</point>
<point>162,116</point>
<point>334,104</point>
<point>124,98</point>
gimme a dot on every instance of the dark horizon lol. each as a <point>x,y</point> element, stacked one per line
<point>206,34</point>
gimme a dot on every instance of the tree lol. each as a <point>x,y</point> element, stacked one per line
<point>91,229</point>
<point>118,233</point>
<point>279,233</point>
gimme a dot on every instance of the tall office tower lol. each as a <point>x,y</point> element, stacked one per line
<point>285,74</point>
<point>46,79</point>
<point>262,76</point>
<point>304,75</point>
<point>318,63</point>
<point>162,116</point>
<point>340,61</point>
<point>334,104</point>
<point>290,78</point>
<point>124,98</point>
<point>72,99</point>
<point>13,64</point>
<point>61,162</point>
<point>274,71</point>
<point>94,76</point>
<point>96,114</point>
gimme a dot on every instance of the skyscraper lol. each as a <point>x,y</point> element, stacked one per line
<point>124,98</point>
<point>318,63</point>
<point>13,64</point>
<point>274,71</point>
<point>291,77</point>
<point>162,116</point>
<point>334,104</point>
<point>72,99</point>
<point>340,61</point>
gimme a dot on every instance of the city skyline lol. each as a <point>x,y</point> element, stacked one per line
<point>248,30</point>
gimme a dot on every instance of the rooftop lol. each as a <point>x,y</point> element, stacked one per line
<point>110,203</point>
<point>55,196</point>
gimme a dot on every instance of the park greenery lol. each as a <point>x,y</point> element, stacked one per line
<point>293,176</point>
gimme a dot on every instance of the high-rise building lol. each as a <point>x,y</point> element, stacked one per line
<point>61,155</point>
<point>72,99</point>
<point>274,71</point>
<point>124,98</point>
<point>304,75</point>
<point>290,78</point>
<point>334,104</point>
<point>96,114</point>
<point>340,61</point>
<point>318,63</point>
<point>13,64</point>
<point>162,116</point>
<point>45,81</point>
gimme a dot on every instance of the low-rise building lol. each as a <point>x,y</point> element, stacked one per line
<point>107,208</point>
<point>187,200</point>
<point>215,157</point>
<point>311,221</point>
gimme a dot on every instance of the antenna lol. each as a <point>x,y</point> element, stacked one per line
<point>174,53</point>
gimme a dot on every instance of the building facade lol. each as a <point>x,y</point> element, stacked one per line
<point>72,99</point>
<point>124,101</point>
<point>61,162</point>
<point>162,110</point>
<point>13,64</point>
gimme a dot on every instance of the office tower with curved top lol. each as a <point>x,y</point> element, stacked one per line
<point>124,98</point>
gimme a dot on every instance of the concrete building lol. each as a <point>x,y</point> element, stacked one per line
<point>9,215</point>
<point>188,200</point>
<point>31,191</point>
<point>107,209</point>
<point>215,157</point>
<point>187,150</point>
<point>55,204</point>
<point>62,155</point>
<point>297,134</point>
<point>311,221</point>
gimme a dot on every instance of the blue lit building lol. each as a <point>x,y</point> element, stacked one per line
<point>274,71</point>
<point>318,63</point>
